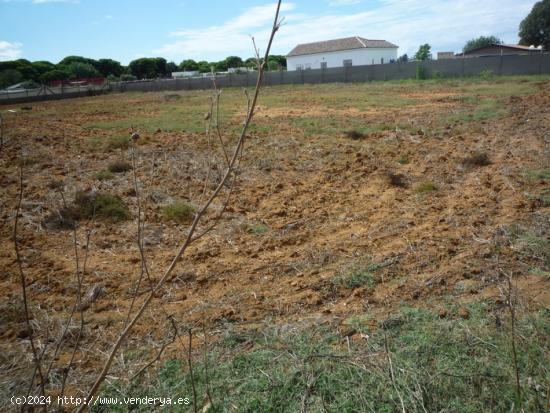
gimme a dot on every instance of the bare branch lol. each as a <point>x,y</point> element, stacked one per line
<point>23,280</point>
<point>189,239</point>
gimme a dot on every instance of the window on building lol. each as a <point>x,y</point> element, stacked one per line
<point>348,62</point>
<point>299,67</point>
<point>308,66</point>
<point>323,65</point>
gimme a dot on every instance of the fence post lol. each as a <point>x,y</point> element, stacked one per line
<point>540,62</point>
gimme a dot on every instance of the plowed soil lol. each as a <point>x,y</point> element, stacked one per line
<point>319,226</point>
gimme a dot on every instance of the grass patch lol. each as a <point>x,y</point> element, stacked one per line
<point>532,245</point>
<point>359,275</point>
<point>439,365</point>
<point>109,144</point>
<point>425,188</point>
<point>538,174</point>
<point>118,167</point>
<point>258,229</point>
<point>487,108</point>
<point>104,175</point>
<point>179,211</point>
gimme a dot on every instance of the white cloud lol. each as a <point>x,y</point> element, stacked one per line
<point>10,51</point>
<point>232,37</point>
<point>407,23</point>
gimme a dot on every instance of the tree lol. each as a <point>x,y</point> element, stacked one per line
<point>144,68</point>
<point>404,58</point>
<point>43,66</point>
<point>109,67</point>
<point>204,66</point>
<point>276,62</point>
<point>171,67</point>
<point>424,52</point>
<point>535,28</point>
<point>160,66</point>
<point>234,61</point>
<point>251,62</point>
<point>479,42</point>
<point>54,74</point>
<point>10,77</point>
<point>189,65</point>
<point>77,59</point>
<point>79,70</point>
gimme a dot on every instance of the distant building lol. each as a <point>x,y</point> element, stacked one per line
<point>502,50</point>
<point>445,55</point>
<point>349,51</point>
<point>242,69</point>
<point>180,75</point>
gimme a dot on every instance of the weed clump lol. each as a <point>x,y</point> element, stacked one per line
<point>179,211</point>
<point>356,277</point>
<point>397,180</point>
<point>118,167</point>
<point>87,205</point>
<point>258,229</point>
<point>117,142</point>
<point>354,135</point>
<point>104,175</point>
<point>476,159</point>
<point>425,187</point>
<point>100,204</point>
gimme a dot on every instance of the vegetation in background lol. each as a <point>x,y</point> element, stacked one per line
<point>424,52</point>
<point>481,41</point>
<point>535,28</point>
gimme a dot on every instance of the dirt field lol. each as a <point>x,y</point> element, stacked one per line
<point>443,188</point>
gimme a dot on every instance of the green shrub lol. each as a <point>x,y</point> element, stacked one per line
<point>486,74</point>
<point>100,204</point>
<point>119,167</point>
<point>179,211</point>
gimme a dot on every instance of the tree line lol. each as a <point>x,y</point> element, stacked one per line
<point>78,67</point>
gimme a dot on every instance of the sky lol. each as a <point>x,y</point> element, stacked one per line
<point>125,30</point>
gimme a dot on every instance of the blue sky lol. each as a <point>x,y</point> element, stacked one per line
<point>211,30</point>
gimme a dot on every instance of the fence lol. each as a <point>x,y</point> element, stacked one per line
<point>499,65</point>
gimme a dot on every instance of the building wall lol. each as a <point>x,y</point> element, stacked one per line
<point>359,57</point>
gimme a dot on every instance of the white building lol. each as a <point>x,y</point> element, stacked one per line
<point>350,51</point>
